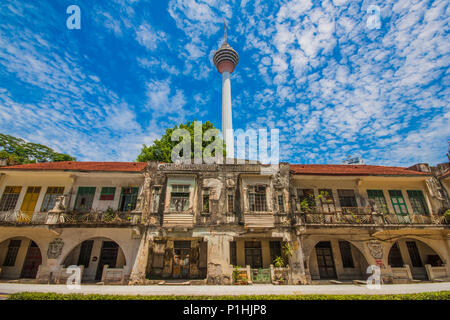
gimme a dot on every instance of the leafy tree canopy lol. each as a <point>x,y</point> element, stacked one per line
<point>19,151</point>
<point>161,150</point>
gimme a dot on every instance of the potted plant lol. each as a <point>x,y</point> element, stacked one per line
<point>109,215</point>
<point>235,275</point>
<point>278,262</point>
<point>447,215</point>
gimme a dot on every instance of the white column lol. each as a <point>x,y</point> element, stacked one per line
<point>227,124</point>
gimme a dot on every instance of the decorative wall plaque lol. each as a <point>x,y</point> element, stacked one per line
<point>55,248</point>
<point>375,248</point>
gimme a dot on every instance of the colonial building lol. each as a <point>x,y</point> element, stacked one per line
<point>143,223</point>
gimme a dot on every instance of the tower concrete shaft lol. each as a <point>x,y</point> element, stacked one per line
<point>227,118</point>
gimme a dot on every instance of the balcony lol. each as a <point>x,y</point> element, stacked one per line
<point>259,220</point>
<point>103,217</point>
<point>364,216</point>
<point>17,217</point>
<point>180,220</point>
<point>69,218</point>
<point>346,216</point>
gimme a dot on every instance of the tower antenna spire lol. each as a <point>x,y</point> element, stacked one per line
<point>225,29</point>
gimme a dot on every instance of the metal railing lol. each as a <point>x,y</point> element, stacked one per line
<point>116,217</point>
<point>19,217</point>
<point>105,217</point>
<point>364,215</point>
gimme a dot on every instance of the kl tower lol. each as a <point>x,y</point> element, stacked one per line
<point>225,59</point>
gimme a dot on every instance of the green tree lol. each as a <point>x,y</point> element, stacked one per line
<point>19,151</point>
<point>161,150</point>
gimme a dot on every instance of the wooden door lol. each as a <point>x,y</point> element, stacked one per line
<point>181,259</point>
<point>32,262</point>
<point>325,260</point>
<point>30,200</point>
<point>108,256</point>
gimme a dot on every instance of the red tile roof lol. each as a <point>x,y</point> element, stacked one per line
<point>312,169</point>
<point>357,170</point>
<point>81,166</point>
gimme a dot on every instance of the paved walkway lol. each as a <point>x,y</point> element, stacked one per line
<point>9,288</point>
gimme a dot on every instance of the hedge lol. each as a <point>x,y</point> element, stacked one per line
<point>441,295</point>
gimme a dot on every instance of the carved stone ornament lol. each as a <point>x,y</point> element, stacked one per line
<point>375,248</point>
<point>55,248</point>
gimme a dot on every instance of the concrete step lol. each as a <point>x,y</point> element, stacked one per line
<point>174,283</point>
<point>336,282</point>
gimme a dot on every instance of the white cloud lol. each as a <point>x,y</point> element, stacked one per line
<point>366,93</point>
<point>148,37</point>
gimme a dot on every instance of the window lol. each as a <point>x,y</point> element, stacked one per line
<point>50,198</point>
<point>347,198</point>
<point>128,198</point>
<point>281,203</point>
<point>107,193</point>
<point>416,261</point>
<point>205,203</point>
<point>84,200</point>
<point>156,197</point>
<point>233,260</point>
<point>377,197</point>
<point>30,199</point>
<point>179,198</point>
<point>275,250</point>
<point>230,200</point>
<point>417,200</point>
<point>257,198</point>
<point>326,200</point>
<point>253,254</point>
<point>9,198</point>
<point>306,199</point>
<point>398,202</point>
<point>85,253</point>
<point>346,254</point>
<point>11,255</point>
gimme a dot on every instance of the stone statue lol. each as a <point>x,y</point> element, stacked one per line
<point>373,206</point>
<point>60,204</point>
<point>434,188</point>
<point>142,199</point>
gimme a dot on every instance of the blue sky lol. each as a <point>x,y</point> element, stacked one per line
<point>312,69</point>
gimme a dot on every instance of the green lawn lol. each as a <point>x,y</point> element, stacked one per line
<point>442,295</point>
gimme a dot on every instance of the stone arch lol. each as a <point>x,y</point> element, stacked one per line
<point>311,245</point>
<point>94,267</point>
<point>362,258</point>
<point>26,258</point>
<point>73,247</point>
<point>41,243</point>
<point>424,241</point>
<point>70,246</point>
